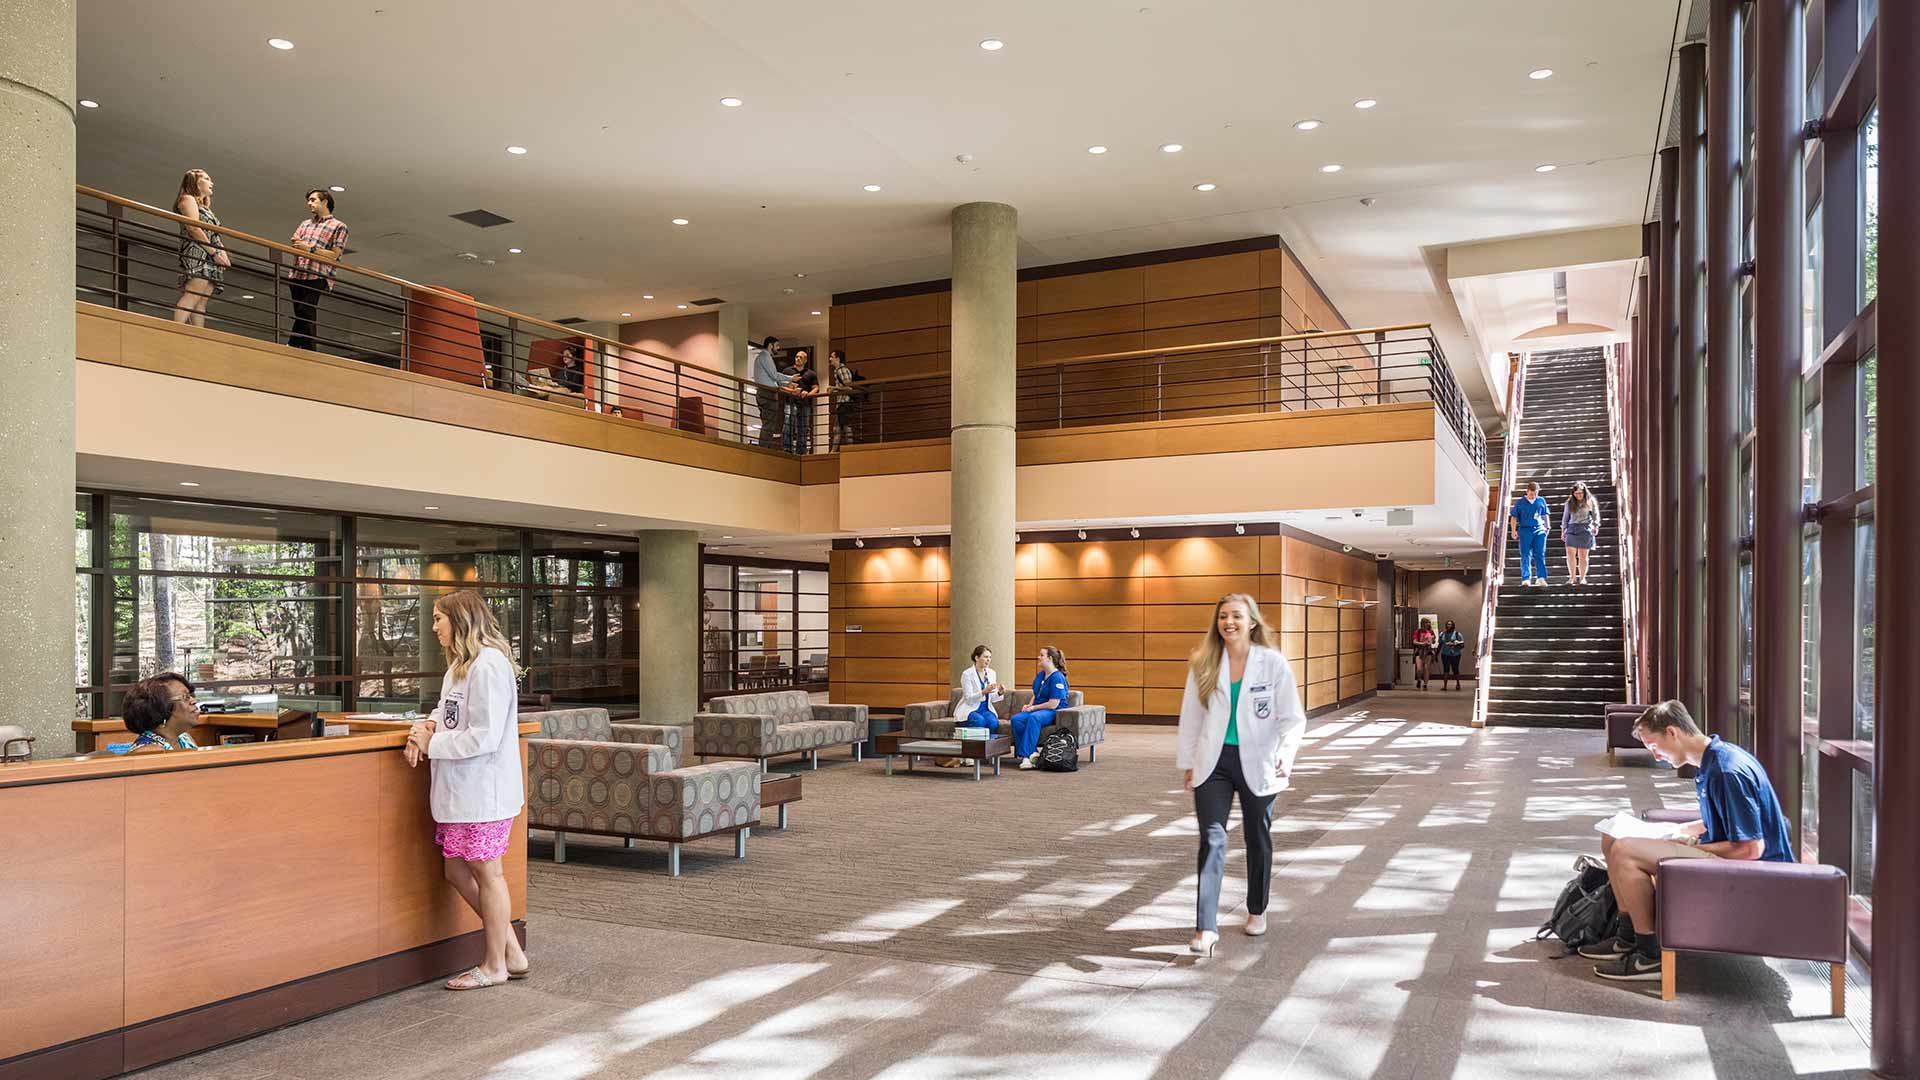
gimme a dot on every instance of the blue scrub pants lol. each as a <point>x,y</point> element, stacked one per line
<point>1026,730</point>
<point>982,716</point>
<point>1533,556</point>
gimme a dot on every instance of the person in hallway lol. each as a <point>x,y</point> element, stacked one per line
<point>767,381</point>
<point>846,398</point>
<point>1422,654</point>
<point>803,385</point>
<point>1452,644</point>
<point>1740,818</point>
<point>203,254</point>
<point>1530,520</point>
<point>571,372</point>
<point>1049,694</point>
<point>479,785</point>
<point>1241,722</point>
<point>323,238</point>
<point>1579,524</point>
<point>159,711</point>
<point>979,689</point>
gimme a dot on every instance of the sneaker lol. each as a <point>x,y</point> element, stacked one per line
<point>1026,763</point>
<point>1612,948</point>
<point>1632,967</point>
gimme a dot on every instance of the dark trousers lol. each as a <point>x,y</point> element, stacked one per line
<point>773,415</point>
<point>1212,802</point>
<point>306,305</point>
<point>798,436</point>
<point>1450,665</point>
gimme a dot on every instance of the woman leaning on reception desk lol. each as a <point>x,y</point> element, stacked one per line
<point>479,781</point>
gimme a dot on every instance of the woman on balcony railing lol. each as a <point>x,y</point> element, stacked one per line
<point>203,257</point>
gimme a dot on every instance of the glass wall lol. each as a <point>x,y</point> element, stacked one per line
<point>763,625</point>
<point>252,601</point>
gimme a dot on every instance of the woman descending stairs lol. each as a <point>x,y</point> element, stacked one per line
<point>1557,654</point>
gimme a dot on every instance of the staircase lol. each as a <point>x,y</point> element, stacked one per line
<point>1557,653</point>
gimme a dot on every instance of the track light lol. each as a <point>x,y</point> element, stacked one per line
<point>916,541</point>
<point>859,543</point>
<point>1135,533</point>
<point>1240,530</point>
<point>1081,533</point>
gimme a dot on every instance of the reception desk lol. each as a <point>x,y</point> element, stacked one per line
<point>156,904</point>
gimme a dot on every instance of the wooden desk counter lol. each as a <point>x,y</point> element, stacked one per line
<point>161,903</point>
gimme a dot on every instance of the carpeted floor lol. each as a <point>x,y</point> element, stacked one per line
<point>926,925</point>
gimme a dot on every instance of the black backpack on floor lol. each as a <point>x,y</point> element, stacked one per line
<point>1585,912</point>
<point>1059,752</point>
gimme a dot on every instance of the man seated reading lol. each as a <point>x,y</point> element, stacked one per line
<point>1740,818</point>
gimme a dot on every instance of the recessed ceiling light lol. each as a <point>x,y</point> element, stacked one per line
<point>682,307</point>
<point>1329,168</point>
<point>1545,168</point>
<point>516,149</point>
<point>1171,148</point>
<point>599,524</point>
<point>646,296</point>
<point>429,508</point>
<point>813,313</point>
<point>871,187</point>
<point>626,314</point>
<point>1306,125</point>
<point>993,44</point>
<point>732,102</point>
<point>727,536</point>
<point>246,296</point>
<point>188,483</point>
<point>1365,103</point>
<point>1540,73</point>
<point>788,291</point>
<point>1203,187</point>
<point>280,43</point>
<point>513,251</point>
<point>89,103</point>
<point>1096,149</point>
<point>336,188</point>
<point>393,333</point>
<point>801,273</point>
<point>681,221</point>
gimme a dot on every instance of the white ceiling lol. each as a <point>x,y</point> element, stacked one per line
<point>410,107</point>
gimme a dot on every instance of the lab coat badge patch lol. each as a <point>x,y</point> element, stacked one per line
<point>450,719</point>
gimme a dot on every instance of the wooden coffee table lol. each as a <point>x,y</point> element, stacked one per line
<point>974,750</point>
<point>779,790</point>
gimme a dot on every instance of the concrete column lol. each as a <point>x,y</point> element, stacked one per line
<point>668,626</point>
<point>733,358</point>
<point>985,287</point>
<point>36,367</point>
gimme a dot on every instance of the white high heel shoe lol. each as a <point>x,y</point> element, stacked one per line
<point>1203,942</point>
<point>1256,924</point>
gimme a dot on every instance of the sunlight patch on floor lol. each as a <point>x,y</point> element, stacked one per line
<point>881,925</point>
<point>1416,880</point>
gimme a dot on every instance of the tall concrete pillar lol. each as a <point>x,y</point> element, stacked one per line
<point>985,288</point>
<point>668,626</point>
<point>733,359</point>
<point>36,367</point>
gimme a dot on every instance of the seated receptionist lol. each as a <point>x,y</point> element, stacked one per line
<point>158,712</point>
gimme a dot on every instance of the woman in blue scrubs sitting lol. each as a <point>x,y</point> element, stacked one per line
<point>1049,693</point>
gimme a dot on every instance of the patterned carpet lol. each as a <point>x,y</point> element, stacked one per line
<point>1010,873</point>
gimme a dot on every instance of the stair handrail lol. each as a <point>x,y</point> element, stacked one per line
<point>1495,571</point>
<point>1623,516</point>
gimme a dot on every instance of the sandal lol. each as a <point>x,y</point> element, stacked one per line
<point>474,979</point>
<point>514,976</point>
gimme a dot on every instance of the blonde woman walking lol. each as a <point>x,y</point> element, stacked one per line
<point>1240,726</point>
<point>479,785</point>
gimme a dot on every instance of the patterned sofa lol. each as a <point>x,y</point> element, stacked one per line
<point>935,719</point>
<point>588,775</point>
<point>760,726</point>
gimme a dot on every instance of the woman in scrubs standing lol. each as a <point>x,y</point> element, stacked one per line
<point>1240,726</point>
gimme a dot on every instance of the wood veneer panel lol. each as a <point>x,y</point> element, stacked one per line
<point>1117,618</point>
<point>1271,270</point>
<point>1293,617</point>
<point>1197,590</point>
<point>893,594</point>
<point>1352,618</point>
<point>1058,592</point>
<point>1198,310</point>
<point>286,890</point>
<point>1321,617</point>
<point>1205,333</point>
<point>63,892</point>
<point>899,313</point>
<point>913,620</point>
<point>1202,277</point>
<point>1293,645</point>
<point>96,338</point>
<point>870,669</point>
<point>900,367</point>
<point>931,339</point>
<point>1353,663</point>
<point>1161,702</point>
<point>891,695</point>
<point>1319,694</point>
<point>1353,641</point>
<point>1091,322</point>
<point>1109,288</point>
<point>906,646</point>
<point>1088,559</point>
<point>1076,647</point>
<point>1117,699</point>
<point>1179,618</point>
<point>1203,556</point>
<point>1026,298</point>
<point>1169,646</point>
<point>1069,348</point>
<point>1103,673</point>
<point>1164,673</point>
<point>1352,686</point>
<point>1322,645</point>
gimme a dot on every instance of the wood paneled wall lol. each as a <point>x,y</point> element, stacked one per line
<point>1125,612</point>
<point>1179,301</point>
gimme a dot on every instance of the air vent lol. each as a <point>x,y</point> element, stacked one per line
<point>482,219</point>
<point>571,320</point>
<point>708,302</point>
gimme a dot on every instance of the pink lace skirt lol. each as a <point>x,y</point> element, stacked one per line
<point>474,841</point>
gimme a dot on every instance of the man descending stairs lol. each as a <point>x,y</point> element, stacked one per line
<point>1557,654</point>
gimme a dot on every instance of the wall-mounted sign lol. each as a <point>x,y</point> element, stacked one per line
<point>853,628</point>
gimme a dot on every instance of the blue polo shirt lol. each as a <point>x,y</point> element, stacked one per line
<point>1737,801</point>
<point>1535,517</point>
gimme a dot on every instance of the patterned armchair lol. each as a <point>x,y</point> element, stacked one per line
<point>584,775</point>
<point>935,719</point>
<point>761,726</point>
<point>592,725</point>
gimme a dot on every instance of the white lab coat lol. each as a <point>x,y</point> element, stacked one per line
<point>475,749</point>
<point>1271,723</point>
<point>972,691</point>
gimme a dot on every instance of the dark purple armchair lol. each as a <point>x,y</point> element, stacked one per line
<point>1796,911</point>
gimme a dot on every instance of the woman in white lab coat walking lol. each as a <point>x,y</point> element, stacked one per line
<point>479,784</point>
<point>1240,726</point>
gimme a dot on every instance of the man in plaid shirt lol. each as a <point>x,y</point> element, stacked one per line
<point>323,238</point>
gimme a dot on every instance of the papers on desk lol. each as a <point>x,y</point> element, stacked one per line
<point>1625,826</point>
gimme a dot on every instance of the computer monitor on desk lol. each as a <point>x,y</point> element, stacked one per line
<point>298,724</point>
